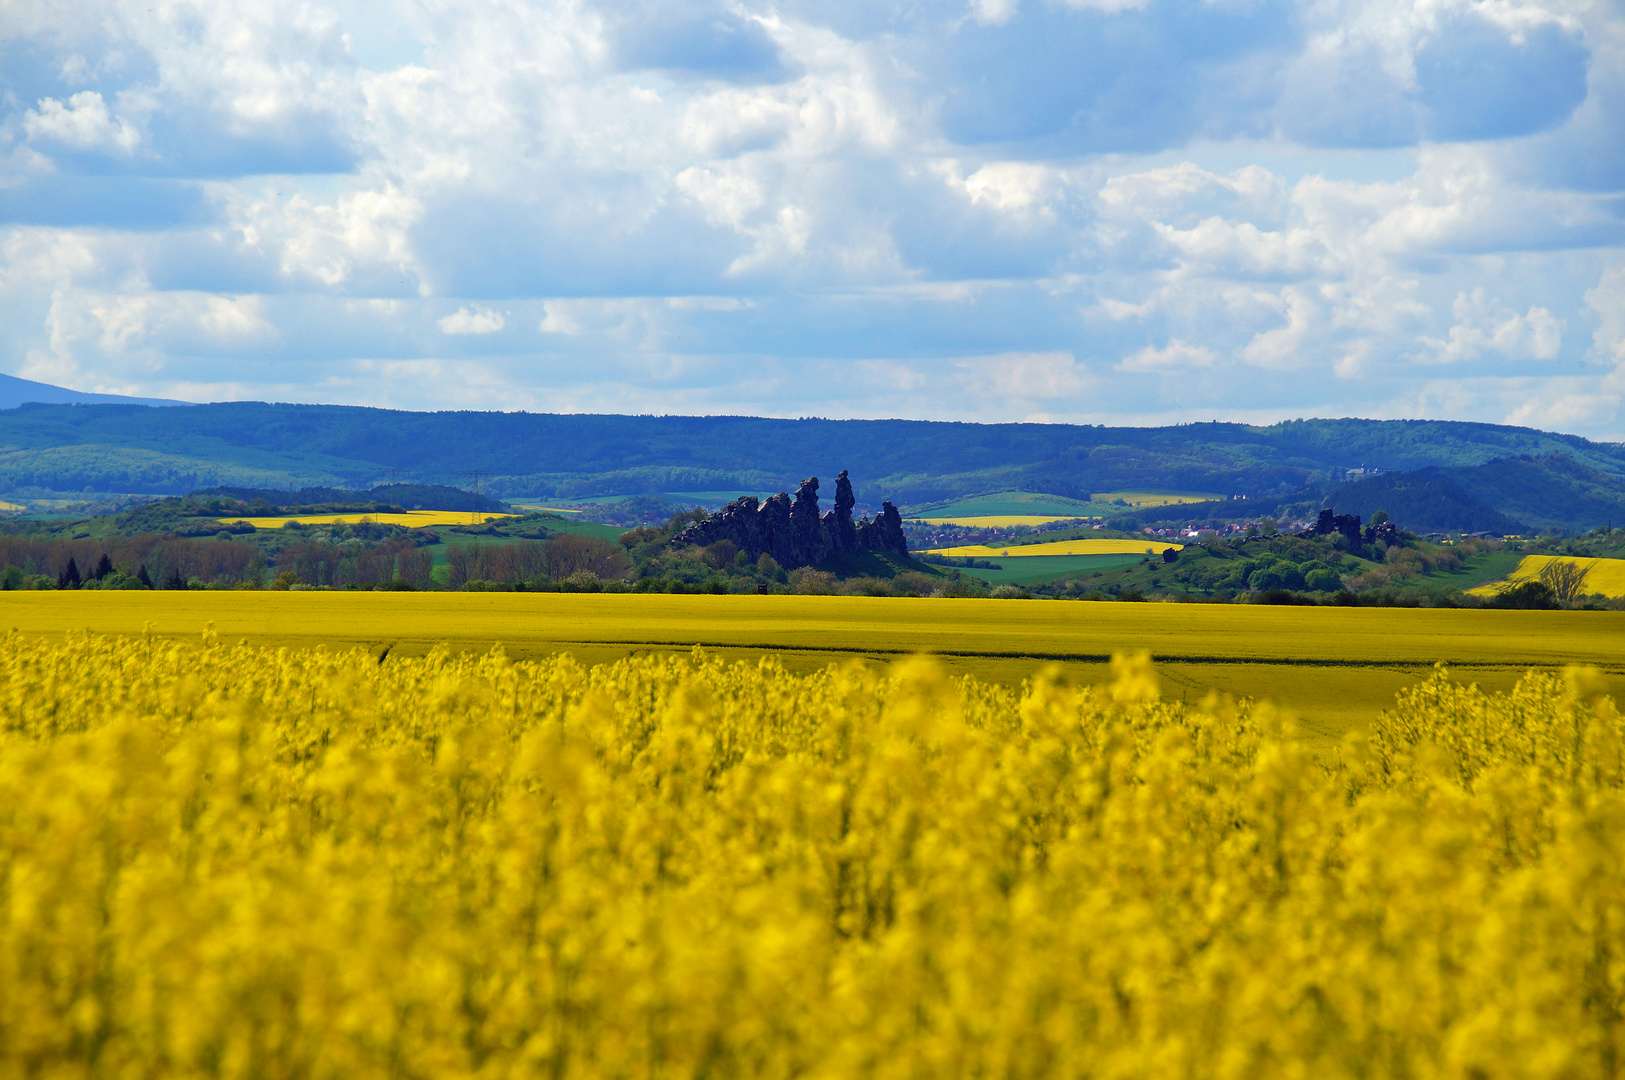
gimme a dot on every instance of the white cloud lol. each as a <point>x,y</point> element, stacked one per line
<point>1284,346</point>
<point>1607,300</point>
<point>1007,186</point>
<point>329,241</point>
<point>472,320</point>
<point>1175,356</point>
<point>722,230</point>
<point>1484,325</point>
<point>83,122</point>
<point>1028,377</point>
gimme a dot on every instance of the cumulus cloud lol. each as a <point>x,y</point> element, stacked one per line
<point>472,320</point>
<point>1607,300</point>
<point>1175,356</point>
<point>1483,325</point>
<point>979,208</point>
<point>83,122</point>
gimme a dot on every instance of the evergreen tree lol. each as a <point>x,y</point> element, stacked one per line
<point>175,580</point>
<point>104,567</point>
<point>143,578</point>
<point>70,576</point>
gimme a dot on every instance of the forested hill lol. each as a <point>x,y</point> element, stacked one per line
<point>15,392</point>
<point>125,448</point>
<point>1509,495</point>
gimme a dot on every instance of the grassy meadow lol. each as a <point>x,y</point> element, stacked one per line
<point>411,519</point>
<point>1031,570</point>
<point>999,521</point>
<point>1335,667</point>
<point>1006,509</point>
<point>1080,546</point>
<point>1155,498</point>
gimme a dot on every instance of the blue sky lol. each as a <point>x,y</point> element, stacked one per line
<point>1099,211</point>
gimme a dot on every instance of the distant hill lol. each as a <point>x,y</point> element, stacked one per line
<point>1428,500</point>
<point>128,448</point>
<point>406,496</point>
<point>1523,494</point>
<point>15,392</point>
<point>1517,494</point>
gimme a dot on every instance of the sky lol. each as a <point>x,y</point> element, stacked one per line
<point>1089,211</point>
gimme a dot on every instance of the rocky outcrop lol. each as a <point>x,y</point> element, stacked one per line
<point>1349,525</point>
<point>884,533</point>
<point>1385,532</point>
<point>791,530</point>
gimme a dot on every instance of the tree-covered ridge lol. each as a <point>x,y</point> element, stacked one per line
<point>1517,495</point>
<point>396,497</point>
<point>252,444</point>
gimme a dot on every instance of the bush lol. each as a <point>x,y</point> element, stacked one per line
<point>1324,579</point>
<point>809,582</point>
<point>1527,595</point>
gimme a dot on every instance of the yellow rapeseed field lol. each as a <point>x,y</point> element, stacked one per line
<point>412,519</point>
<point>238,862</point>
<point>1059,547</point>
<point>1605,576</point>
<point>1156,498</point>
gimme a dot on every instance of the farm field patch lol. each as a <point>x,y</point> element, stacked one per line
<point>1475,570</point>
<point>1605,576</point>
<point>682,498</point>
<point>1156,498</point>
<point>1035,569</point>
<point>412,519</point>
<point>1336,666</point>
<point>1058,547</point>
<point>1008,508</point>
<point>1025,505</point>
<point>999,521</point>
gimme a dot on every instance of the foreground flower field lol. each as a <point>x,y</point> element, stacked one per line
<point>232,861</point>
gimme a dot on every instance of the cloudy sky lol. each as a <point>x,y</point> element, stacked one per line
<point>1101,211</point>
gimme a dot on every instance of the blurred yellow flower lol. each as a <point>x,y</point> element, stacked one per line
<point>229,861</point>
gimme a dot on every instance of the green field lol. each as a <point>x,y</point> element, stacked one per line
<point>1477,569</point>
<point>1010,504</point>
<point>1031,570</point>
<point>449,539</point>
<point>1036,504</point>
<point>1335,667</point>
<point>695,498</point>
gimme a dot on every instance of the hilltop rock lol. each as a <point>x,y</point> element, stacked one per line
<point>791,530</point>
<point>1349,525</point>
<point>838,524</point>
<point>884,533</point>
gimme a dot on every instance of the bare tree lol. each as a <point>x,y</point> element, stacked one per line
<point>1566,578</point>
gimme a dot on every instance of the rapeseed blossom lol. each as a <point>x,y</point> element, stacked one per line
<point>232,861</point>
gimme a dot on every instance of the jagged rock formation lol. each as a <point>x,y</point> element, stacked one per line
<point>793,533</point>
<point>1385,531</point>
<point>1349,525</point>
